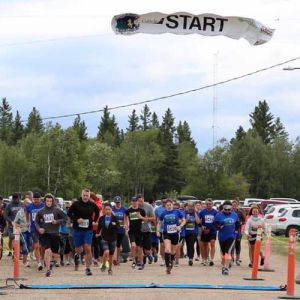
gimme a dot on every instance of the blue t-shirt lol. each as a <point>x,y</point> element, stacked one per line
<point>120,213</point>
<point>191,226</point>
<point>107,221</point>
<point>33,210</point>
<point>207,218</point>
<point>171,220</point>
<point>227,225</point>
<point>158,211</point>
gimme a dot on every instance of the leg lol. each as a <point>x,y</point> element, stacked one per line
<point>212,249</point>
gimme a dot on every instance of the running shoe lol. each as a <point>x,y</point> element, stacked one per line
<point>48,273</point>
<point>76,262</point>
<point>110,272</point>
<point>95,264</point>
<point>82,261</point>
<point>163,265</point>
<point>88,272</point>
<point>62,263</point>
<point>262,261</point>
<point>103,267</point>
<point>176,264</point>
<point>40,267</point>
<point>141,267</point>
<point>211,263</point>
<point>226,271</point>
<point>168,270</point>
<point>107,264</point>
<point>150,259</point>
<point>26,265</point>
<point>56,264</point>
<point>133,265</point>
<point>68,263</point>
<point>197,259</point>
<point>190,262</point>
<point>250,265</point>
<point>155,258</point>
<point>9,253</point>
<point>238,263</point>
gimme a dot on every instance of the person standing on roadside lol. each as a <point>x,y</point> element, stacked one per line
<point>83,213</point>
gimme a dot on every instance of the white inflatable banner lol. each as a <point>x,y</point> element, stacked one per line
<point>184,23</point>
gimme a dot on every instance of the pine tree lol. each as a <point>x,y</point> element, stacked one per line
<point>18,129</point>
<point>262,122</point>
<point>104,124</point>
<point>239,135</point>
<point>279,130</point>
<point>6,121</point>
<point>133,122</point>
<point>80,128</point>
<point>34,123</point>
<point>154,121</point>
<point>184,133</point>
<point>145,117</point>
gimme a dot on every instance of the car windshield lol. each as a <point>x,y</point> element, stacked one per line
<point>270,210</point>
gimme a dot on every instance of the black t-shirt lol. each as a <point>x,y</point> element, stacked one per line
<point>135,224</point>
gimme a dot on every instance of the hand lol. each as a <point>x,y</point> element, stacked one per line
<point>41,231</point>
<point>158,234</point>
<point>126,227</point>
<point>80,221</point>
<point>54,222</point>
<point>179,228</point>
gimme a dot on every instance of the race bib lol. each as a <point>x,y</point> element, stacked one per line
<point>85,223</point>
<point>190,226</point>
<point>121,222</point>
<point>48,218</point>
<point>209,219</point>
<point>172,228</point>
<point>133,216</point>
<point>33,215</point>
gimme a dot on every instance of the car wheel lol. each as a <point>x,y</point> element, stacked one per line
<point>287,233</point>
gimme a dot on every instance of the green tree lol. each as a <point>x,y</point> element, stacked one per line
<point>184,134</point>
<point>133,121</point>
<point>154,121</point>
<point>6,121</point>
<point>80,128</point>
<point>34,123</point>
<point>279,130</point>
<point>18,129</point>
<point>145,118</point>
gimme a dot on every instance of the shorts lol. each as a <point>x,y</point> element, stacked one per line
<point>35,237</point>
<point>82,237</point>
<point>174,238</point>
<point>120,237</point>
<point>206,238</point>
<point>50,241</point>
<point>253,239</point>
<point>135,237</point>
<point>146,241</point>
<point>226,245</point>
<point>110,246</point>
<point>25,243</point>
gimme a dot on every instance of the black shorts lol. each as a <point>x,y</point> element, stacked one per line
<point>110,246</point>
<point>120,237</point>
<point>146,240</point>
<point>135,237</point>
<point>206,238</point>
<point>225,245</point>
<point>174,238</point>
<point>253,239</point>
<point>50,241</point>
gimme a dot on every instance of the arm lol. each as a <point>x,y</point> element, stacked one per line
<point>247,227</point>
<point>62,218</point>
<point>198,221</point>
<point>37,223</point>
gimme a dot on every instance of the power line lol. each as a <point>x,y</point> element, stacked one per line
<point>173,95</point>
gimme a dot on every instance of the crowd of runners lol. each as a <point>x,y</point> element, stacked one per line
<point>94,233</point>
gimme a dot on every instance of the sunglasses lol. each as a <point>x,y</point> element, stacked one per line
<point>229,209</point>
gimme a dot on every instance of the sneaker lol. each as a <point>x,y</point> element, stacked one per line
<point>103,267</point>
<point>68,263</point>
<point>40,267</point>
<point>262,261</point>
<point>176,264</point>
<point>190,262</point>
<point>155,258</point>
<point>83,261</point>
<point>168,270</point>
<point>211,263</point>
<point>9,253</point>
<point>107,264</point>
<point>26,265</point>
<point>197,259</point>
<point>88,272</point>
<point>150,259</point>
<point>238,263</point>
<point>205,263</point>
<point>250,265</point>
<point>225,272</point>
<point>62,263</point>
<point>56,264</point>
<point>76,262</point>
<point>141,267</point>
<point>109,271</point>
<point>48,273</point>
<point>133,265</point>
<point>163,265</point>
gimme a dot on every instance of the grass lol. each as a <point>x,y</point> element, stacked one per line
<point>280,246</point>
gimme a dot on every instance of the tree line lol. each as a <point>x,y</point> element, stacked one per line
<point>149,157</point>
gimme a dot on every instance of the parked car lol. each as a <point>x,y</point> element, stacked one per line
<point>217,203</point>
<point>185,198</point>
<point>250,201</point>
<point>289,200</point>
<point>288,219</point>
<point>273,201</point>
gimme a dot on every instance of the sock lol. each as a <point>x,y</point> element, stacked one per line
<point>167,259</point>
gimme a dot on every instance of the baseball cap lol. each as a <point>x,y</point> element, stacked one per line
<point>117,199</point>
<point>134,198</point>
<point>36,195</point>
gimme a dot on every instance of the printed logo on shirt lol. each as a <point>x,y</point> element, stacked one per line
<point>228,221</point>
<point>133,216</point>
<point>209,219</point>
<point>48,218</point>
<point>169,218</point>
<point>85,223</point>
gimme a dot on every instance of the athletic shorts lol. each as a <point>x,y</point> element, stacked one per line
<point>135,237</point>
<point>120,237</point>
<point>225,245</point>
<point>50,241</point>
<point>35,237</point>
<point>146,240</point>
<point>206,238</point>
<point>253,239</point>
<point>82,237</point>
<point>110,246</point>
<point>174,238</point>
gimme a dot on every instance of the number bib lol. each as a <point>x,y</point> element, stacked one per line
<point>172,228</point>
<point>85,223</point>
<point>190,226</point>
<point>209,219</point>
<point>48,218</point>
<point>133,216</point>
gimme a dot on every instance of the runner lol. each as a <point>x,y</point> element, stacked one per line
<point>227,222</point>
<point>191,230</point>
<point>133,221</point>
<point>25,240</point>
<point>158,211</point>
<point>198,208</point>
<point>146,229</point>
<point>108,228</point>
<point>47,222</point>
<point>10,213</point>
<point>32,210</point>
<point>251,231</point>
<point>120,212</point>
<point>237,247</point>
<point>82,213</point>
<point>173,222</point>
<point>208,234</point>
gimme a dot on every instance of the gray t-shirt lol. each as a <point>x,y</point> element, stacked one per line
<point>146,227</point>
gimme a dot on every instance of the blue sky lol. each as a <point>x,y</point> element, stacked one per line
<point>82,74</point>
